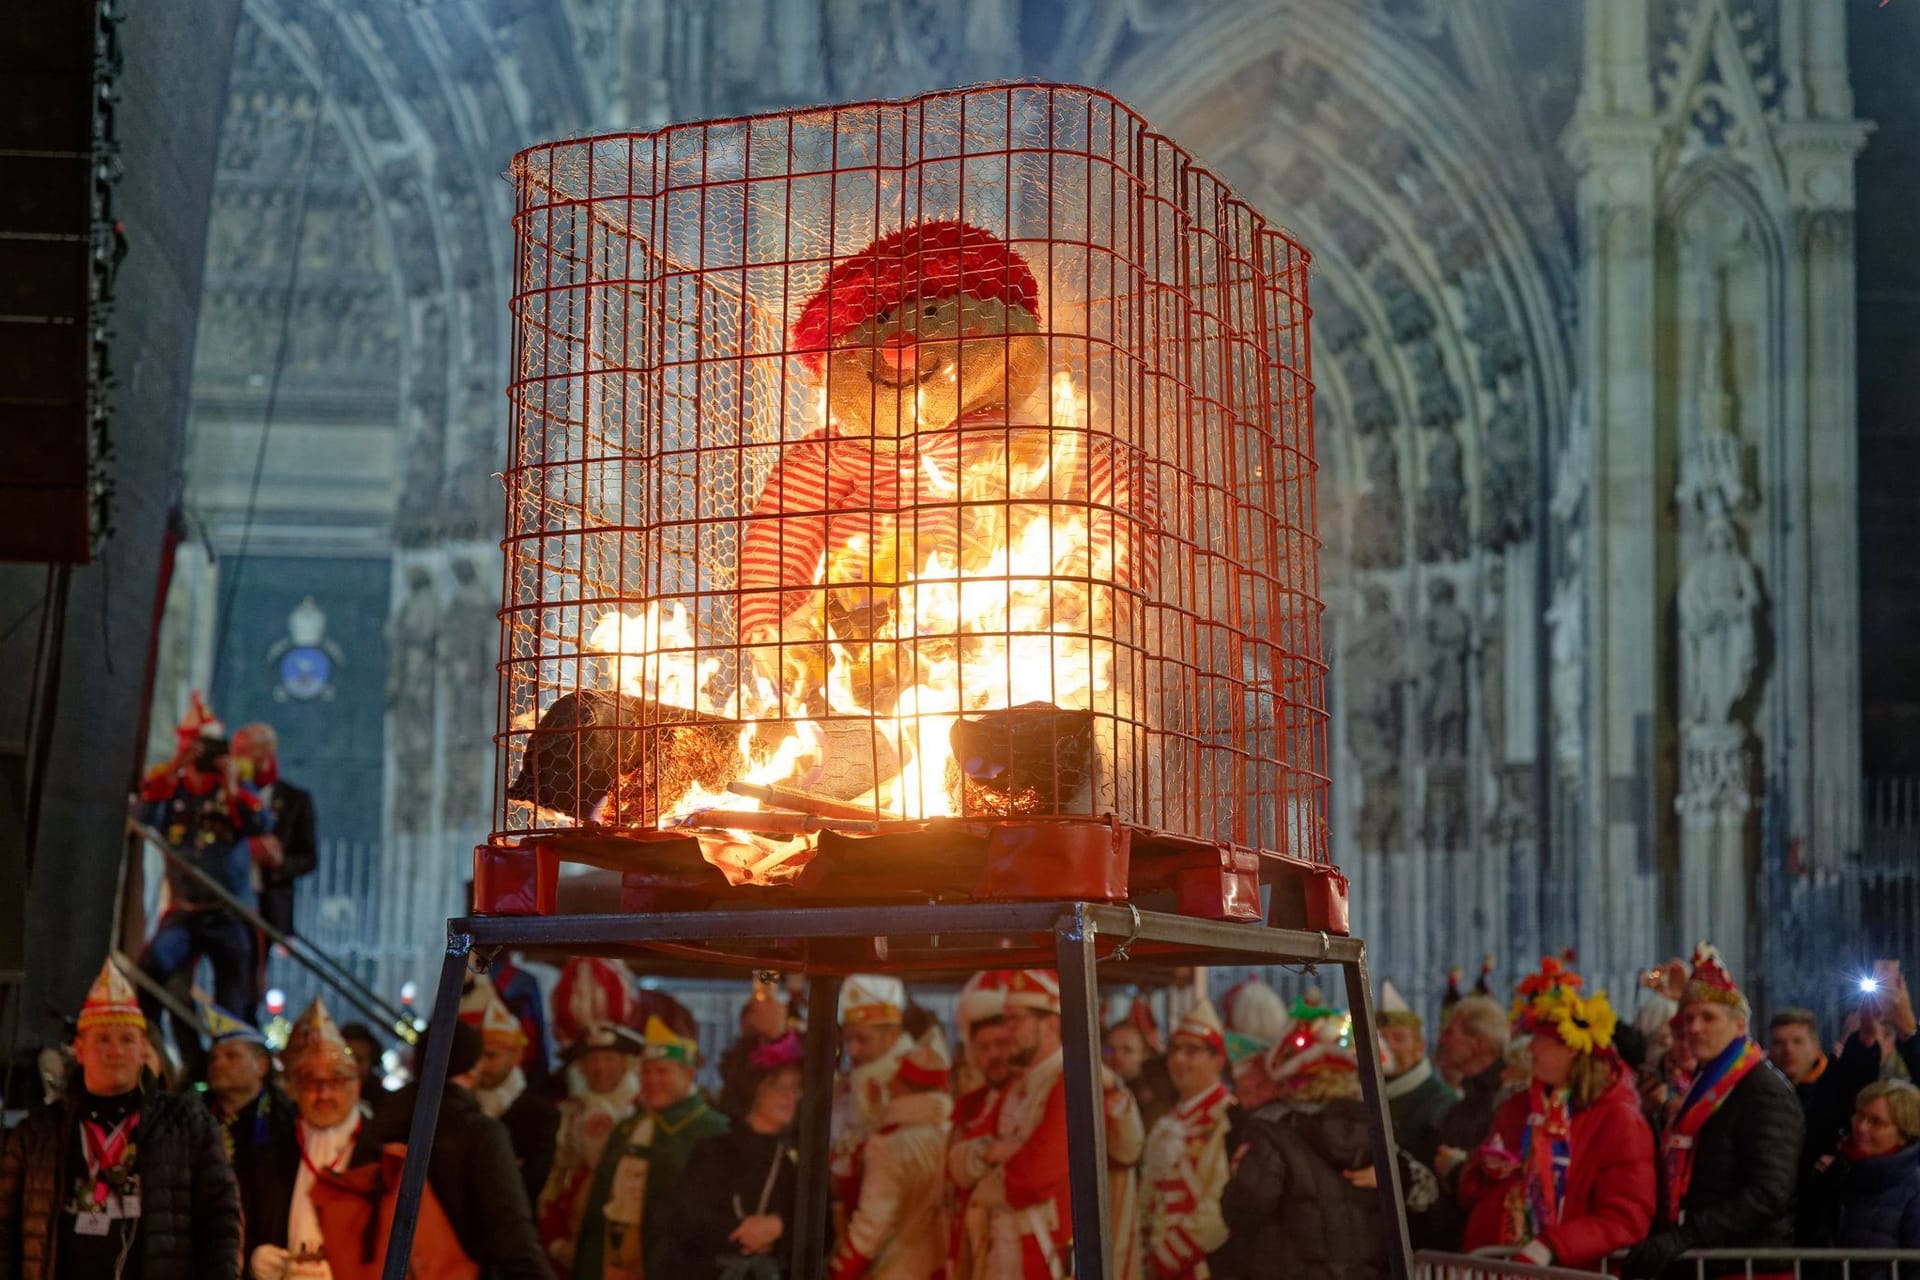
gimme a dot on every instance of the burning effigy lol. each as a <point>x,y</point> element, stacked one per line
<point>903,468</point>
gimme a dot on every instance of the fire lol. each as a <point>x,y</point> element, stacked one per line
<point>1020,623</point>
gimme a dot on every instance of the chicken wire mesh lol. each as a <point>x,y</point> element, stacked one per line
<point>945,457</point>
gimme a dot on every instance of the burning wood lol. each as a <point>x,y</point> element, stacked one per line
<point>1025,761</point>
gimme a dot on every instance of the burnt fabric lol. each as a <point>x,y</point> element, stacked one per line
<point>190,1212</point>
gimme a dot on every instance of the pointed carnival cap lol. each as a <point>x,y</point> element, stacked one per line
<point>872,1000</point>
<point>1712,984</point>
<point>111,1002</point>
<point>1035,989</point>
<point>661,1043</point>
<point>1394,1011</point>
<point>499,1029</point>
<point>225,1028</point>
<point>927,1065</point>
<point>592,992</point>
<point>315,1046</point>
<point>983,999</point>
<point>1483,985</point>
<point>1202,1023</point>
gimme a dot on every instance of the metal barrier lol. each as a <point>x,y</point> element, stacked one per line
<point>1492,1264</point>
<point>1831,1264</point>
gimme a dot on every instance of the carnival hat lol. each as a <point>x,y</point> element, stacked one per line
<point>872,1000</point>
<point>111,1002</point>
<point>1711,983</point>
<point>315,1046</point>
<point>227,1029</point>
<point>1253,1009</point>
<point>1320,1040</point>
<point>605,1035</point>
<point>1394,1011</point>
<point>1550,1002</point>
<point>927,1065</point>
<point>592,992</point>
<point>926,260</point>
<point>983,999</point>
<point>1202,1024</point>
<point>1034,989</point>
<point>661,1043</point>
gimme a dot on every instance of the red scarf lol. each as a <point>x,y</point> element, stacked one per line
<point>1712,1084</point>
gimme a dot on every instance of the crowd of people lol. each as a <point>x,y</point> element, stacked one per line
<point>1550,1129</point>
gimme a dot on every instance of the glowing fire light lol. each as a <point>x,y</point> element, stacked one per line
<point>1022,624</point>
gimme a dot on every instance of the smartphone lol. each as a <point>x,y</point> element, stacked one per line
<point>1886,974</point>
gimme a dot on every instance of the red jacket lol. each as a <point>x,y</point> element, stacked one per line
<point>1610,1180</point>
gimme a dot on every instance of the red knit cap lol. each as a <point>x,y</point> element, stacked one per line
<point>925,260</point>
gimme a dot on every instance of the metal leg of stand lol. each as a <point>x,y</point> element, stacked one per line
<point>813,1195</point>
<point>426,1108</point>
<point>1373,1089</point>
<point>1086,1114</point>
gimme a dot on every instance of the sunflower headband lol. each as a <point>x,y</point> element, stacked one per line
<point>1551,1001</point>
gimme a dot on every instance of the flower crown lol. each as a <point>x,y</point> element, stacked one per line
<point>1550,1001</point>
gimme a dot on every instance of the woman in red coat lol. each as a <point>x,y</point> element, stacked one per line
<point>1567,1173</point>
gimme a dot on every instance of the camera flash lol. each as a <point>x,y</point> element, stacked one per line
<point>1869,985</point>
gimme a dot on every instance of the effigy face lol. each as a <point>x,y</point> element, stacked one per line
<point>884,465</point>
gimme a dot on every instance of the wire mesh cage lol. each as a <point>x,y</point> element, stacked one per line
<point>889,464</point>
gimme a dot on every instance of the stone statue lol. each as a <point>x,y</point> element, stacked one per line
<point>1375,661</point>
<point>412,664</point>
<point>1443,503</point>
<point>1447,633</point>
<point>1719,593</point>
<point>1508,466</point>
<point>470,642</point>
<point>1573,469</point>
<point>1379,520</point>
<point>1567,624</point>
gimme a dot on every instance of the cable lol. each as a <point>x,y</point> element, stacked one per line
<point>280,346</point>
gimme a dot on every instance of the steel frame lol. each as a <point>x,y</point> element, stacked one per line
<point>1076,938</point>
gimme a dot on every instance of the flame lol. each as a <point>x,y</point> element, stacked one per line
<point>1020,623</point>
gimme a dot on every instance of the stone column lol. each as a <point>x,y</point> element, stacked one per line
<point>1608,558</point>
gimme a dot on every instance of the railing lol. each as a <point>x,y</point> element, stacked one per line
<point>317,962</point>
<point>1831,1264</point>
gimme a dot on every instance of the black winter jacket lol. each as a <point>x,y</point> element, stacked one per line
<point>474,1177</point>
<point>1287,1199</point>
<point>190,1210</point>
<point>1746,1166</point>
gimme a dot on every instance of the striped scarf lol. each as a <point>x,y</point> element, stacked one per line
<point>1712,1084</point>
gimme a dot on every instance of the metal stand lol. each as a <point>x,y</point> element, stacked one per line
<point>1074,938</point>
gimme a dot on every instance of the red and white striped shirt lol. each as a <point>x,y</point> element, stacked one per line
<point>832,493</point>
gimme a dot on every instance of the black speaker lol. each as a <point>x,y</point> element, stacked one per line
<point>57,58</point>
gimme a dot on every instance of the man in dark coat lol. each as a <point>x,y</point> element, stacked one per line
<point>256,1118</point>
<point>290,852</point>
<point>117,1168</point>
<point>1730,1156</point>
<point>1417,1097</point>
<point>501,1088</point>
<point>471,1170</point>
<point>1825,1088</point>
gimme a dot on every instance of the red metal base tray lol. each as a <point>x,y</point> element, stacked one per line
<point>959,860</point>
